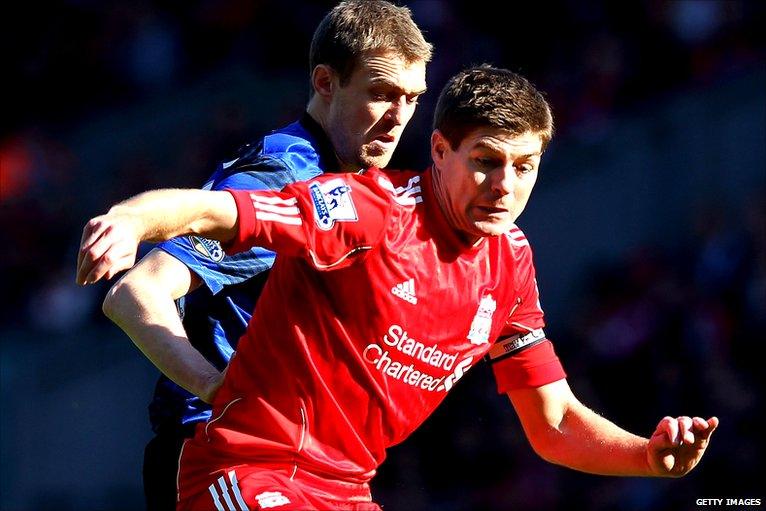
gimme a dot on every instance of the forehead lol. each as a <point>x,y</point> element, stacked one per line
<point>501,141</point>
<point>389,68</point>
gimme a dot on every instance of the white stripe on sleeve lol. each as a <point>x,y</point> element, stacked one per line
<point>290,220</point>
<point>216,500</point>
<point>282,210</point>
<point>273,200</point>
<point>225,493</point>
<point>237,493</point>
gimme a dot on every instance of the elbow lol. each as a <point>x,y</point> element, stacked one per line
<point>149,287</point>
<point>543,449</point>
<point>117,298</point>
<point>548,444</point>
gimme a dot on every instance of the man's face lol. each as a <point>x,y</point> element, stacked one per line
<point>484,184</point>
<point>367,116</point>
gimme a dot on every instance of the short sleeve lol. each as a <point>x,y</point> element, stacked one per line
<point>533,367</point>
<point>206,257</point>
<point>328,221</point>
<point>523,356</point>
<point>528,314</point>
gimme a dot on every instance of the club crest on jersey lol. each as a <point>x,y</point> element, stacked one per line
<point>208,248</point>
<point>332,203</point>
<point>482,321</point>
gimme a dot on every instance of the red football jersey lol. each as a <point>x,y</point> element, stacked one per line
<point>374,309</point>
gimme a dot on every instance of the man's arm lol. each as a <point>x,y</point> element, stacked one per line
<point>564,431</point>
<point>298,221</point>
<point>109,242</point>
<point>142,304</point>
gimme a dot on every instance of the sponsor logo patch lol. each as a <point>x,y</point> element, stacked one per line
<point>208,248</point>
<point>421,365</point>
<point>332,203</point>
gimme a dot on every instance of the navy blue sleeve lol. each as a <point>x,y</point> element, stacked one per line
<point>205,257</point>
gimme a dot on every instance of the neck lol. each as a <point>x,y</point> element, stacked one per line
<point>318,111</point>
<point>440,192</point>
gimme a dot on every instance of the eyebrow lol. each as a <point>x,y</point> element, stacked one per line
<point>492,147</point>
<point>385,81</point>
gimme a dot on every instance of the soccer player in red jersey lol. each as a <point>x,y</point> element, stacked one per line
<point>368,68</point>
<point>409,280</point>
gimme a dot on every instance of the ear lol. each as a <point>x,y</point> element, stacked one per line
<point>323,81</point>
<point>439,147</point>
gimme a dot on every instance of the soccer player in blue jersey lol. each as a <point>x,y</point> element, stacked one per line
<point>368,64</point>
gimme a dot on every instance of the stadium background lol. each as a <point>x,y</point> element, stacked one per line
<point>648,224</point>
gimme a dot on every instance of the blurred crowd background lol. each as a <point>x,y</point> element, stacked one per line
<point>648,224</point>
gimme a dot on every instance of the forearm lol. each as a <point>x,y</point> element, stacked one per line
<point>159,215</point>
<point>146,312</point>
<point>583,440</point>
<point>564,431</point>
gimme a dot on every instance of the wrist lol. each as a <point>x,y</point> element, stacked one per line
<point>210,387</point>
<point>131,217</point>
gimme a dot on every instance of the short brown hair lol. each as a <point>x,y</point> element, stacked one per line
<point>488,96</point>
<point>355,27</point>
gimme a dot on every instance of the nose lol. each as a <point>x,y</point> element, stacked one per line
<point>504,179</point>
<point>399,111</point>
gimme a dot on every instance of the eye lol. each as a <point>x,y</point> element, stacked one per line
<point>485,162</point>
<point>412,100</point>
<point>525,168</point>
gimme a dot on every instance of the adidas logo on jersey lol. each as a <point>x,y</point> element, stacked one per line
<point>406,291</point>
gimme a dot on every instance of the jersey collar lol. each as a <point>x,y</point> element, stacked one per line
<point>327,159</point>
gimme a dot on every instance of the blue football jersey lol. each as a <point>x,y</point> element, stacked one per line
<point>216,314</point>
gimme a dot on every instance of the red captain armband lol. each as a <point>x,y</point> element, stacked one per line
<point>524,361</point>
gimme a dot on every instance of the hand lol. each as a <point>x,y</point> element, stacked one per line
<point>677,445</point>
<point>108,246</point>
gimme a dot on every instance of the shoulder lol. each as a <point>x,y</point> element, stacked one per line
<point>518,248</point>
<point>272,162</point>
<point>520,252</point>
<point>251,173</point>
<point>295,148</point>
<point>516,238</point>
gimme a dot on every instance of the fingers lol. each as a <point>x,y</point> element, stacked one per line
<point>668,427</point>
<point>96,258</point>
<point>685,433</point>
<point>90,233</point>
<point>686,430</point>
<point>117,257</point>
<point>661,445</point>
<point>704,428</point>
<point>105,251</point>
<point>107,267</point>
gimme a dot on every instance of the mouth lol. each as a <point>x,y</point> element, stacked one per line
<point>385,138</point>
<point>491,210</point>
